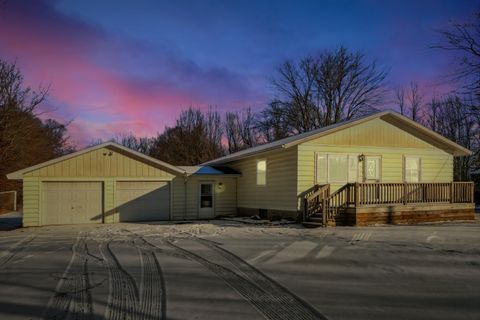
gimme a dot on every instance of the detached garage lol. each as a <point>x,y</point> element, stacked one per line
<point>103,184</point>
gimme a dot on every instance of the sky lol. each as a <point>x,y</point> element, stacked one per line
<point>133,66</point>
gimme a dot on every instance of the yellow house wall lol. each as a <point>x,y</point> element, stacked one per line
<point>280,191</point>
<point>185,206</point>
<point>375,137</point>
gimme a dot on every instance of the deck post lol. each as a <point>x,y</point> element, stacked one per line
<point>404,193</point>
<point>451,192</point>
<point>324,212</point>
<point>472,191</point>
<point>305,206</point>
<point>357,194</point>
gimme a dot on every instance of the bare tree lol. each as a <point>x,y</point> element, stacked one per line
<point>25,139</point>
<point>410,101</point>
<point>240,130</point>
<point>450,118</point>
<point>129,140</point>
<point>465,39</point>
<point>400,100</point>
<point>318,91</point>
<point>416,100</point>
<point>196,138</point>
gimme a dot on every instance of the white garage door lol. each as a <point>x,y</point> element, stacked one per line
<point>72,202</point>
<point>143,200</point>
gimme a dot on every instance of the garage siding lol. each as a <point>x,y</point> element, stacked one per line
<point>31,202</point>
<point>102,162</point>
<point>103,165</point>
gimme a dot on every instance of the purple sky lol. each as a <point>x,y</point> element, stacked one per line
<point>119,66</point>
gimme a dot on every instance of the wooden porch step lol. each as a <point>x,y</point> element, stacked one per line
<point>318,219</point>
<point>310,224</point>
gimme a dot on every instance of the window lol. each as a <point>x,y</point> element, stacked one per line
<point>206,195</point>
<point>321,171</point>
<point>331,168</point>
<point>372,168</point>
<point>261,172</point>
<point>352,168</point>
<point>412,169</point>
<point>337,168</point>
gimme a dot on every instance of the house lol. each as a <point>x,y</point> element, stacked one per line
<point>382,168</point>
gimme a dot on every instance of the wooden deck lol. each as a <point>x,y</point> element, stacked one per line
<point>375,203</point>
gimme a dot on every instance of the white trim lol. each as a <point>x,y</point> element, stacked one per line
<point>404,167</point>
<point>199,197</point>
<point>102,178</point>
<point>256,172</point>
<point>380,167</point>
<point>349,155</point>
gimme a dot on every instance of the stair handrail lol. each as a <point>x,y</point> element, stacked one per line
<point>314,200</point>
<point>341,198</point>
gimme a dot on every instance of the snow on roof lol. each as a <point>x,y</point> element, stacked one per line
<point>208,170</point>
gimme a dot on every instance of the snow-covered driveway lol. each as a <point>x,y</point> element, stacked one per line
<point>229,270</point>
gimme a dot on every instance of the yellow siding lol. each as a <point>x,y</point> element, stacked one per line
<point>31,202</point>
<point>376,137</point>
<point>280,192</point>
<point>110,214</point>
<point>93,165</point>
<point>376,133</point>
<point>178,198</point>
<point>96,164</point>
<point>225,198</point>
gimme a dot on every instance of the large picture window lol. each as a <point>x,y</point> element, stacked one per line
<point>412,169</point>
<point>261,172</point>
<point>336,168</point>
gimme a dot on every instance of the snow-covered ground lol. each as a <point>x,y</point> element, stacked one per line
<point>227,269</point>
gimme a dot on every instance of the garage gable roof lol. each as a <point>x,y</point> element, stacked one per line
<point>17,175</point>
<point>392,117</point>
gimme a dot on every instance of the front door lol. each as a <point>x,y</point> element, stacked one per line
<point>206,208</point>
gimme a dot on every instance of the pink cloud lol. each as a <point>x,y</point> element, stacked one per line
<point>52,49</point>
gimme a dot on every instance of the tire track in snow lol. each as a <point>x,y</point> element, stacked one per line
<point>72,296</point>
<point>152,304</point>
<point>15,249</point>
<point>293,306</point>
<point>152,295</point>
<point>123,292</point>
<point>265,300</point>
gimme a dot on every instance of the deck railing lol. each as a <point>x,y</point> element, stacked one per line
<point>373,193</point>
<point>404,193</point>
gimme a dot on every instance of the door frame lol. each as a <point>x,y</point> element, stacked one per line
<point>199,194</point>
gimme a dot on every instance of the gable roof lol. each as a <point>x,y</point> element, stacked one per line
<point>109,145</point>
<point>392,117</point>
